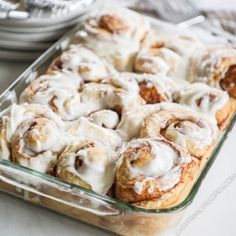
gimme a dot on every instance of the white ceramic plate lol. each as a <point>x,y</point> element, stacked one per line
<point>38,29</point>
<point>19,45</point>
<point>83,7</point>
<point>33,37</point>
<point>18,55</point>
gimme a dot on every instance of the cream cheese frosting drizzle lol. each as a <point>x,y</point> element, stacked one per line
<point>97,164</point>
<point>84,63</point>
<point>202,98</point>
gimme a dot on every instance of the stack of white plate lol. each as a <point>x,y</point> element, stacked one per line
<point>39,27</point>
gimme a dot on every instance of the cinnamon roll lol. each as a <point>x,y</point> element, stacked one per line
<point>82,62</point>
<point>125,93</point>
<point>135,89</point>
<point>88,164</point>
<point>34,134</point>
<point>114,35</point>
<point>37,143</point>
<point>184,127</point>
<point>209,101</point>
<point>58,91</point>
<point>155,88</point>
<point>65,97</point>
<point>154,57</point>
<point>216,67</point>
<point>99,96</point>
<point>182,44</point>
<point>166,55</point>
<point>149,168</point>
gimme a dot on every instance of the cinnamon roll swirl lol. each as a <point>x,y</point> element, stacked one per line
<point>88,164</point>
<point>149,168</point>
<point>58,91</point>
<point>65,97</point>
<point>184,127</point>
<point>82,62</point>
<point>216,67</point>
<point>155,88</point>
<point>154,57</point>
<point>114,35</point>
<point>209,101</point>
<point>33,136</point>
<point>125,93</point>
<point>135,89</point>
<point>37,143</point>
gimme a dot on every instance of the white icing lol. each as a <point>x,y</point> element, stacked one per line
<point>190,96</point>
<point>154,57</point>
<point>119,47</point>
<point>4,150</point>
<point>126,92</point>
<point>199,135</point>
<point>169,180</point>
<point>163,84</point>
<point>208,61</point>
<point>59,92</point>
<point>106,118</point>
<point>194,127</point>
<point>62,94</point>
<point>164,165</point>
<point>37,142</point>
<point>98,166</point>
<point>84,129</point>
<point>163,159</point>
<point>184,45</point>
<point>16,114</point>
<point>83,62</point>
<point>132,119</point>
<point>138,186</point>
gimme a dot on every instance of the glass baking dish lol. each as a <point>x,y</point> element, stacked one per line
<point>78,202</point>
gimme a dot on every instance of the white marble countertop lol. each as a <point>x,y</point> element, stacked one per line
<point>212,213</point>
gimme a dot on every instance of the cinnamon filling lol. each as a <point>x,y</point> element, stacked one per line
<point>118,109</point>
<point>228,83</point>
<point>178,124</point>
<point>155,47</point>
<point>150,94</point>
<point>212,98</point>
<point>78,162</point>
<point>113,24</point>
<point>83,69</point>
<point>52,104</point>
<point>143,153</point>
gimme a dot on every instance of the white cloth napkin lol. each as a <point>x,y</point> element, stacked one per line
<point>221,13</point>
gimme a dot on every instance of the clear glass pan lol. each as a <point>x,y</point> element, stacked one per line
<point>75,201</point>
